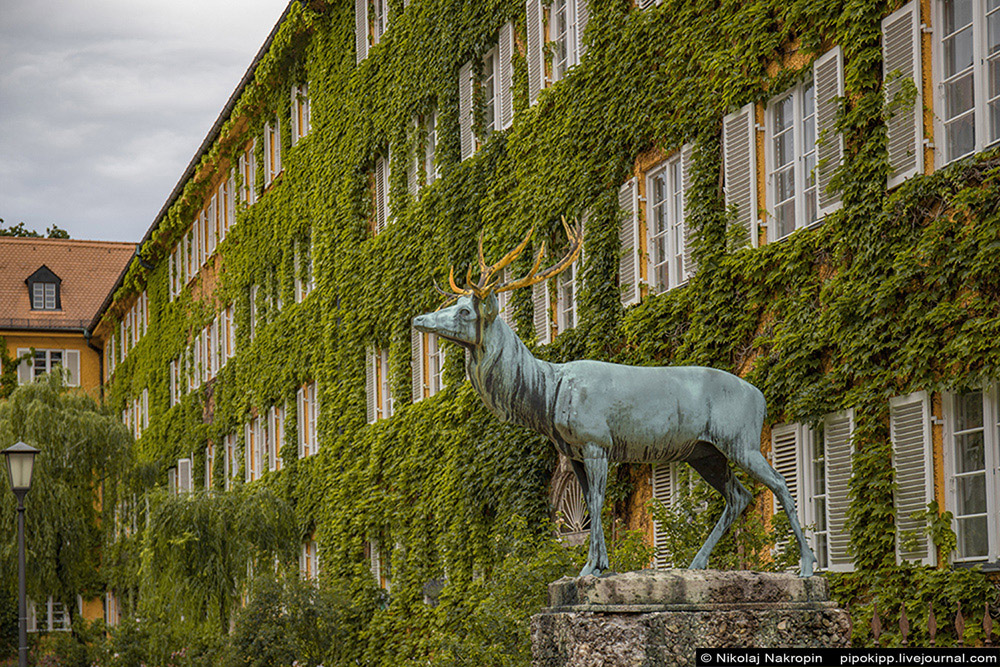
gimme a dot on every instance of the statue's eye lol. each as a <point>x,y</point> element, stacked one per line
<point>465,312</point>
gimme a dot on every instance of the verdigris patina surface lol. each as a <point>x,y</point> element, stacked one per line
<point>595,412</point>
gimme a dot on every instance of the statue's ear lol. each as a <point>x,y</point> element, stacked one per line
<point>489,308</point>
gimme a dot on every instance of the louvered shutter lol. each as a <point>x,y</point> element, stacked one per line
<point>837,431</point>
<point>582,16</point>
<point>370,383</point>
<point>417,354</point>
<point>828,81</point>
<point>505,86</point>
<point>739,166</point>
<point>689,265</point>
<point>361,28</point>
<point>465,109</point>
<point>375,561</point>
<point>534,55</point>
<point>506,301</point>
<point>910,430</point>
<point>628,267</point>
<point>663,491</point>
<point>412,179</point>
<point>785,447</point>
<point>71,362</point>
<point>184,475</point>
<point>646,4</point>
<point>380,179</point>
<point>543,322</point>
<point>24,368</point>
<point>901,54</point>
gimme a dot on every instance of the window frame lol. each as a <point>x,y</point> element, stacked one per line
<point>804,177</point>
<point>673,203</point>
<point>980,78</point>
<point>991,468</point>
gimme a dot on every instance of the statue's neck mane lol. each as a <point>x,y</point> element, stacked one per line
<point>513,384</point>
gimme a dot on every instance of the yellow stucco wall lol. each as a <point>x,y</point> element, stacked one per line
<point>90,363</point>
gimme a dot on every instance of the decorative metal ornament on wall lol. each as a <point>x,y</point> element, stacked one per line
<point>569,507</point>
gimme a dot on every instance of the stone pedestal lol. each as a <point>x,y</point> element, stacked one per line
<point>659,617</point>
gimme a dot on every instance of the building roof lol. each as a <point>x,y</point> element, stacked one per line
<point>88,270</point>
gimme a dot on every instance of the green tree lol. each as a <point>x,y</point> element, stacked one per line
<point>20,230</point>
<point>84,452</point>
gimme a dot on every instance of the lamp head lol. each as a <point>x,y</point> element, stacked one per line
<point>20,462</point>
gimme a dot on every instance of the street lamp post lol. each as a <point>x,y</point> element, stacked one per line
<point>20,460</point>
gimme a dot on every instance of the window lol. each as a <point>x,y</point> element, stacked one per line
<point>255,439</point>
<point>276,435</point>
<point>382,215</point>
<point>791,123</point>
<point>494,85</point>
<point>45,361</point>
<point>229,464</point>
<point>248,174</point>
<point>304,277</point>
<point>428,362</point>
<point>378,390</point>
<point>253,310</point>
<point>272,151</point>
<point>371,19</point>
<point>972,472</point>
<point>504,301</point>
<point>306,416</point>
<point>555,41</point>
<point>566,299</point>
<point>301,121</point>
<point>968,63</point>
<point>667,234</point>
<point>816,465</point>
<point>112,609</point>
<point>309,560</point>
<point>48,616</point>
<point>209,464</point>
<point>43,289</point>
<point>377,563</point>
<point>229,335</point>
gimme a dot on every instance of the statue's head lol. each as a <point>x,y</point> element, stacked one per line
<point>476,306</point>
<point>462,322</point>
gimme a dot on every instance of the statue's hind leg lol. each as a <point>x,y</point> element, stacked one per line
<point>714,468</point>
<point>750,459</point>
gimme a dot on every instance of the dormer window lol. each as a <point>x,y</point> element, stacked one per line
<point>43,289</point>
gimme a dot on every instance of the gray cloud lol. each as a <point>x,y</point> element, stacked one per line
<point>103,103</point>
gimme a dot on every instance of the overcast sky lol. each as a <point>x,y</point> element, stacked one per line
<point>104,102</point>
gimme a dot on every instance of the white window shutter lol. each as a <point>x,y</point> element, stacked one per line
<point>646,4</point>
<point>535,54</point>
<point>689,264</point>
<point>663,491</point>
<point>380,179</point>
<point>739,166</point>
<point>901,54</point>
<point>23,368</point>
<point>465,109</point>
<point>543,321</point>
<point>582,16</point>
<point>412,175</point>
<point>785,447</point>
<point>361,28</point>
<point>417,352</point>
<point>838,429</point>
<point>184,475</point>
<point>828,81</point>
<point>505,86</point>
<point>628,268</point>
<point>910,430</point>
<point>370,383</point>
<point>71,362</point>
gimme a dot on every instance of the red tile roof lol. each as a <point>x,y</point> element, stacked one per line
<point>88,270</point>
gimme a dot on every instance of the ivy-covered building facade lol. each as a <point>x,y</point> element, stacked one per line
<point>804,193</point>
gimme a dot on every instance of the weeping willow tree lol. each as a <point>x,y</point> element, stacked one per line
<point>84,454</point>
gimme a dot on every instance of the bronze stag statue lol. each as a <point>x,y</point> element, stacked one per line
<point>595,412</point>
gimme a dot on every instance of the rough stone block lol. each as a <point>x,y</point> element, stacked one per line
<point>659,617</point>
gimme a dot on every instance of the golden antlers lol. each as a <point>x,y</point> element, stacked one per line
<point>485,287</point>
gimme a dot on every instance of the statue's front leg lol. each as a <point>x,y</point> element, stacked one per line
<point>595,463</point>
